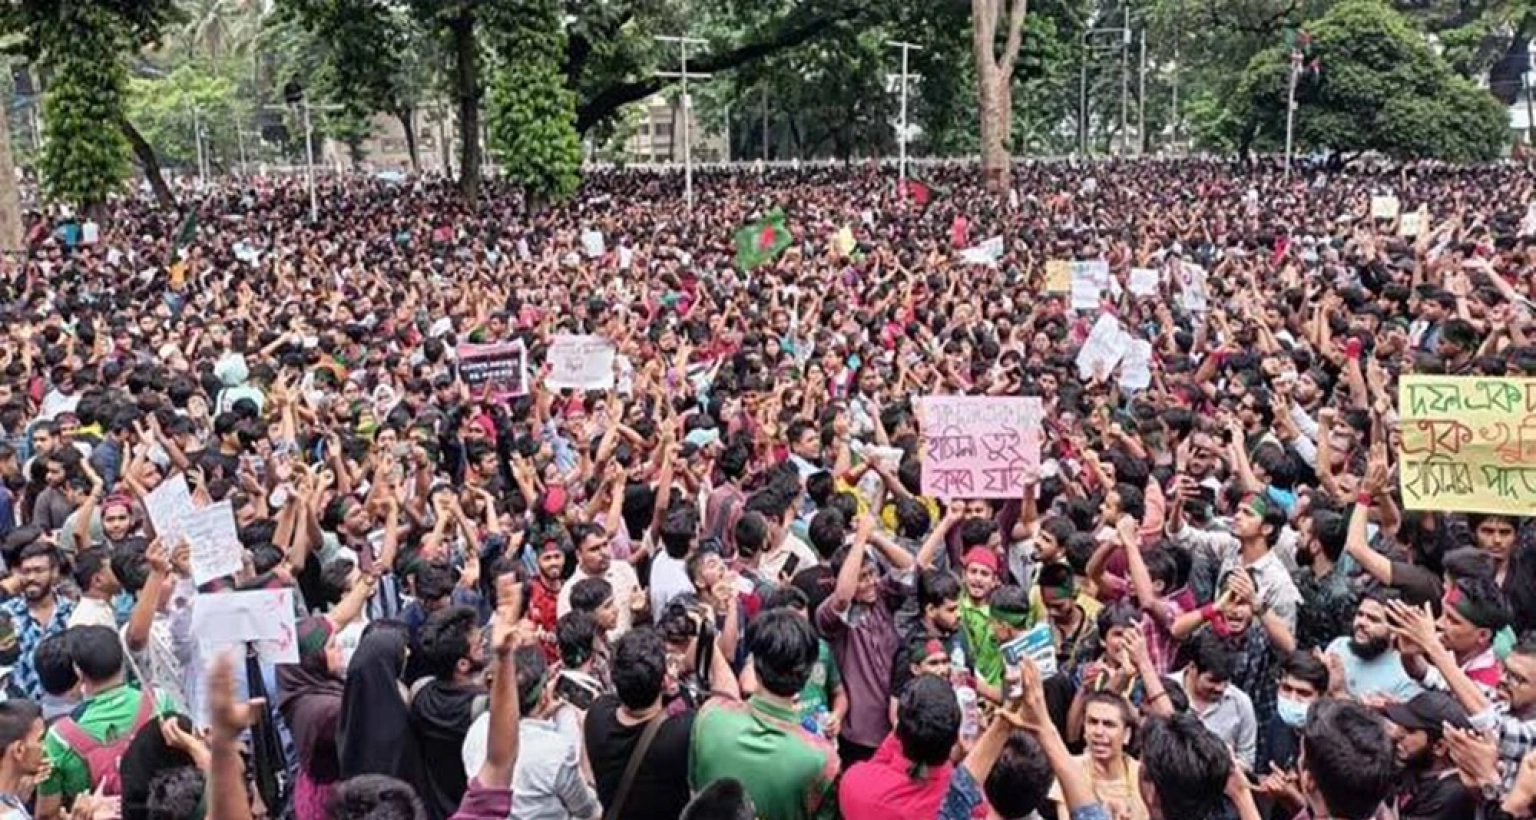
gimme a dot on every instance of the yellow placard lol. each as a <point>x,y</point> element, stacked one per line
<point>1058,276</point>
<point>178,275</point>
<point>1468,444</point>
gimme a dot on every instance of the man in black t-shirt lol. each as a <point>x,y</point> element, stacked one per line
<point>616,726</point>
<point>1429,788</point>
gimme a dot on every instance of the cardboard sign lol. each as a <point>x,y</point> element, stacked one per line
<point>978,446</point>
<point>580,363</point>
<point>1468,444</point>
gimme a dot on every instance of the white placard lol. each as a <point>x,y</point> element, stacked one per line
<point>224,620</point>
<point>1192,293</point>
<point>1411,224</point>
<point>168,506</point>
<point>580,363</point>
<point>215,544</point>
<point>1089,279</point>
<point>1384,207</point>
<point>987,253</point>
<point>1103,349</point>
<point>1136,367</point>
<point>592,243</point>
<point>1144,281</point>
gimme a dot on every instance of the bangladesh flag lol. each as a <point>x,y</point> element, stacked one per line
<point>917,191</point>
<point>186,232</point>
<point>760,242</point>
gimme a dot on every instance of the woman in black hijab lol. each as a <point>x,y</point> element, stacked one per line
<point>375,735</point>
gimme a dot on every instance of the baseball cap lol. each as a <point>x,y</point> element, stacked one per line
<point>1429,712</point>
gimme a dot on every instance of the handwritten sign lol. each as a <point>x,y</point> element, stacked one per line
<point>987,253</point>
<point>1144,281</point>
<point>1468,444</point>
<point>1192,293</point>
<point>503,366</point>
<point>1107,342</point>
<point>580,363</point>
<point>1384,207</point>
<point>232,619</point>
<point>978,446</point>
<point>1412,223</point>
<point>1136,367</point>
<point>214,542</point>
<point>1089,281</point>
<point>168,505</point>
<point>1058,276</point>
<point>592,243</point>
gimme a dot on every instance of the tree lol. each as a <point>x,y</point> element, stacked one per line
<point>533,114</point>
<point>84,45</point>
<point>163,110</point>
<point>1378,87</point>
<point>82,162</point>
<point>994,83</point>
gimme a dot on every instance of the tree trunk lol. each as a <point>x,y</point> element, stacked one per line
<point>151,163</point>
<point>407,117</point>
<point>994,84</point>
<point>10,195</point>
<point>996,126</point>
<point>466,86</point>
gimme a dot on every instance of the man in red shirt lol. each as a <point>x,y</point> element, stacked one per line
<point>909,774</point>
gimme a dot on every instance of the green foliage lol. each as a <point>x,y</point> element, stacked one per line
<point>162,109</point>
<point>1381,87</point>
<point>532,123</point>
<point>85,156</point>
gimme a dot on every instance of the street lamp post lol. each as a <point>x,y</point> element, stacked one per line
<point>685,76</point>
<point>901,139</point>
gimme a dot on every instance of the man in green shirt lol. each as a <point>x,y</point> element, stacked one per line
<point>85,746</point>
<point>790,772</point>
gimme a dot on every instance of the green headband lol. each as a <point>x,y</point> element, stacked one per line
<point>1259,503</point>
<point>1017,620</point>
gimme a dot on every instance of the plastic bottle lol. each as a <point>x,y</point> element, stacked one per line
<point>970,726</point>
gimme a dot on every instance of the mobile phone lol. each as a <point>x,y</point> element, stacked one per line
<point>574,691</point>
<point>790,565</point>
<point>1208,495</point>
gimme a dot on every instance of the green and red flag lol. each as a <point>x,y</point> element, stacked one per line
<point>916,190</point>
<point>758,243</point>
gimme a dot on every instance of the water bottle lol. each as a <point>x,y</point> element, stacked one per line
<point>970,726</point>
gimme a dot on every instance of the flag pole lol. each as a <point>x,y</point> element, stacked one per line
<point>1290,109</point>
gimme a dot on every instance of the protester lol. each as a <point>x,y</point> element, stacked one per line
<point>502,512</point>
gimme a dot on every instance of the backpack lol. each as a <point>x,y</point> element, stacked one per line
<point>101,758</point>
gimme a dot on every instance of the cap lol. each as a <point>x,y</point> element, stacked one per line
<point>1429,712</point>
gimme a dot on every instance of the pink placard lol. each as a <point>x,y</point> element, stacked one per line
<point>978,446</point>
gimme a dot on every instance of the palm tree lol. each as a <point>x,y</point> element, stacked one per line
<point>221,28</point>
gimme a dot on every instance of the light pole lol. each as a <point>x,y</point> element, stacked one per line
<point>901,139</point>
<point>683,43</point>
<point>309,165</point>
<point>1290,108</point>
<point>1125,78</point>
<point>1088,48</point>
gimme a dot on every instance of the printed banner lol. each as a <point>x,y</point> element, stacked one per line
<point>580,363</point>
<point>1468,444</point>
<point>978,446</point>
<point>504,366</point>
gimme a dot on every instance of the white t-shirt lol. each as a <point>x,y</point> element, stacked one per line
<point>669,579</point>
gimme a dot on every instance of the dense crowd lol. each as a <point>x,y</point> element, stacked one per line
<point>717,590</point>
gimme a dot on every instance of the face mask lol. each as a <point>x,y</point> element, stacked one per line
<point>1292,713</point>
